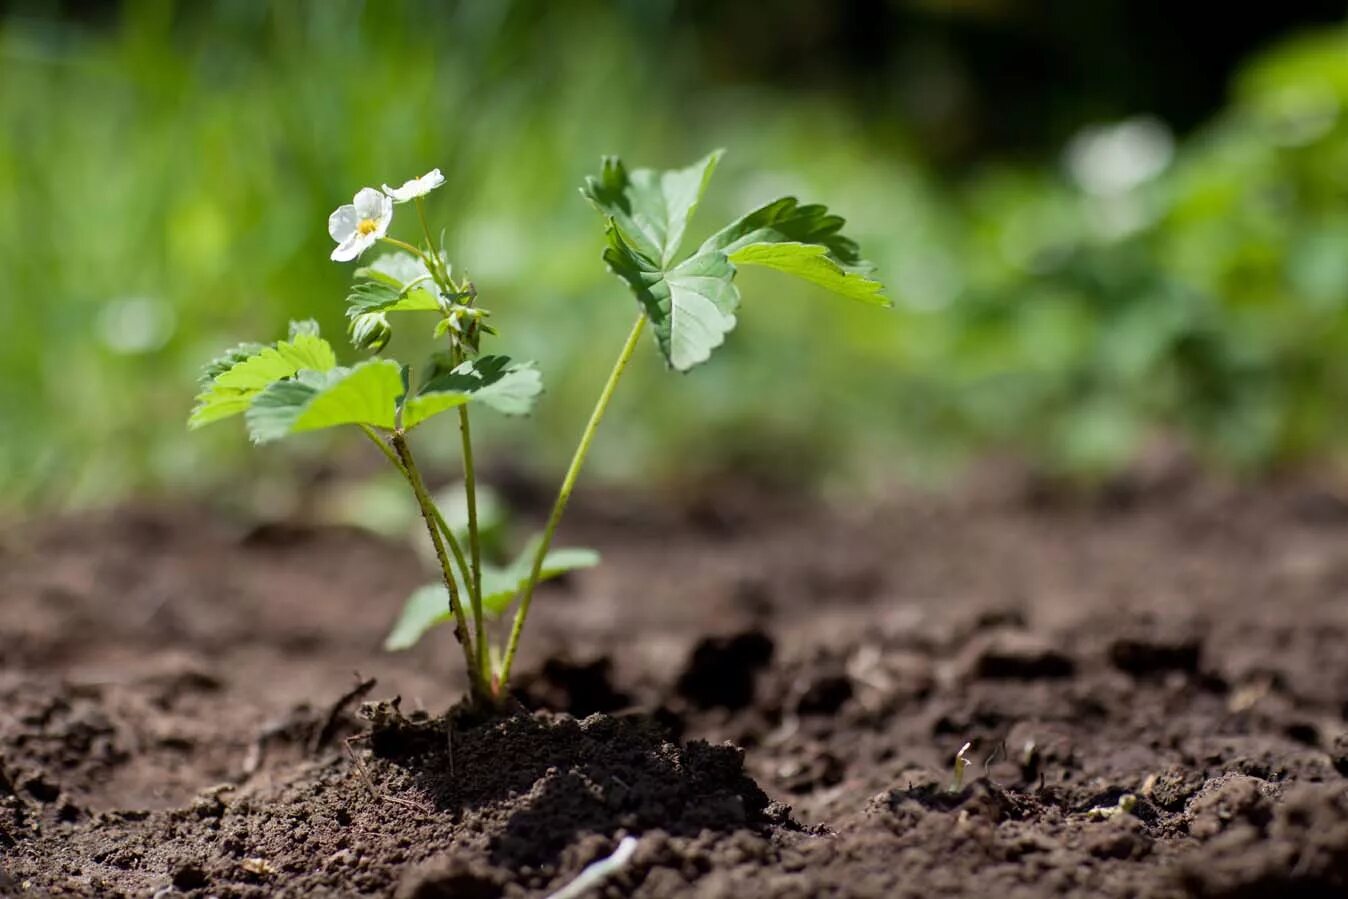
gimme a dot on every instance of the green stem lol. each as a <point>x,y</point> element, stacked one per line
<point>404,245</point>
<point>454,547</point>
<point>442,277</point>
<point>453,542</point>
<point>383,448</point>
<point>564,495</point>
<point>428,515</point>
<point>474,543</point>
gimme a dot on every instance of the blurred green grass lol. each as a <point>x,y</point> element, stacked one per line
<point>165,180</point>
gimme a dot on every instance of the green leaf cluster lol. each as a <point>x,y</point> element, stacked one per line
<point>232,381</point>
<point>691,304</point>
<point>295,385</point>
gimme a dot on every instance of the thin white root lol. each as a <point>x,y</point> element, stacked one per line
<point>596,873</point>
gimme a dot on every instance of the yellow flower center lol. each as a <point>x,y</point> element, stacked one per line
<point>367,226</point>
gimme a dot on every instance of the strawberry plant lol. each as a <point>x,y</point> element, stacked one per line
<point>689,302</point>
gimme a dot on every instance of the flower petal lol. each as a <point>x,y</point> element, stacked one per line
<point>417,187</point>
<point>342,222</point>
<point>381,225</point>
<point>372,204</point>
<point>365,241</point>
<point>350,248</point>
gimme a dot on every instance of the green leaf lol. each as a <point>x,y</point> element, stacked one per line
<point>812,262</point>
<point>805,241</point>
<point>785,220</point>
<point>691,307</point>
<point>428,606</point>
<point>395,282</point>
<point>227,360</point>
<point>508,387</point>
<point>234,380</point>
<point>367,393</point>
<point>214,406</point>
<point>424,609</point>
<point>652,209</point>
<point>375,292</point>
<point>500,586</point>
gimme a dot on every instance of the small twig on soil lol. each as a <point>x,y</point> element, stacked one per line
<point>369,781</point>
<point>999,749</point>
<point>329,728</point>
<point>596,873</point>
<point>360,766</point>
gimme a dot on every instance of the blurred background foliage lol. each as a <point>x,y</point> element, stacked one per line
<point>1102,224</point>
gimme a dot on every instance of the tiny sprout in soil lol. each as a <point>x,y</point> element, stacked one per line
<point>961,762</point>
<point>689,303</point>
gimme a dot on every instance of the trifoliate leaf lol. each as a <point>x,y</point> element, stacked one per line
<point>367,393</point>
<point>691,307</point>
<point>428,606</point>
<point>691,304</point>
<point>233,386</point>
<point>508,387</point>
<point>651,208</point>
<point>812,262</point>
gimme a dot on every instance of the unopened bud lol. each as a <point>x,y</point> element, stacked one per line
<point>370,331</point>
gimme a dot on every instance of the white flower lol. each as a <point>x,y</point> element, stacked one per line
<point>356,227</point>
<point>417,187</point>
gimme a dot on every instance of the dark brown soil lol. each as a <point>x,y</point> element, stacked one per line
<point>769,694</point>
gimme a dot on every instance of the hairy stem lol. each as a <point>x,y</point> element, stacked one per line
<point>474,544</point>
<point>445,530</point>
<point>454,547</point>
<point>564,495</point>
<point>429,516</point>
<point>384,448</point>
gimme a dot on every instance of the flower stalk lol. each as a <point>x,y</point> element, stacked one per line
<point>474,543</point>
<point>564,496</point>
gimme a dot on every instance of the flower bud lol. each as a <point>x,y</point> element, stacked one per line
<point>370,331</point>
